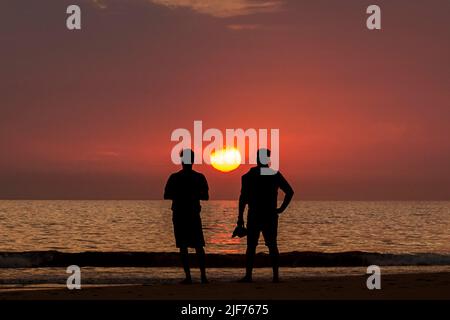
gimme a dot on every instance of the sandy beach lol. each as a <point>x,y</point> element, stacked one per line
<point>397,287</point>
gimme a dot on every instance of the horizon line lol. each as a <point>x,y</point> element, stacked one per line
<point>219,199</point>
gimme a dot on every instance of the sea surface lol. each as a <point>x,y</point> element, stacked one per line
<point>410,236</point>
<point>77,226</point>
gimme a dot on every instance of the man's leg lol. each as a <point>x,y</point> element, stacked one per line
<point>250,259</point>
<point>185,261</point>
<point>252,242</point>
<point>201,256</point>
<point>270,232</point>
<point>274,257</point>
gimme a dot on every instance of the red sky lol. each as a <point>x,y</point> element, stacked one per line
<point>363,115</point>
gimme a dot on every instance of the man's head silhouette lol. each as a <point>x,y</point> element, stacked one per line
<point>263,157</point>
<point>187,158</point>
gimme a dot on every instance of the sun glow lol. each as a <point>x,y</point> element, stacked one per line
<point>226,160</point>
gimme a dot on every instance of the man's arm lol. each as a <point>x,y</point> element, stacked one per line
<point>243,201</point>
<point>288,194</point>
<point>168,190</point>
<point>242,205</point>
<point>204,190</point>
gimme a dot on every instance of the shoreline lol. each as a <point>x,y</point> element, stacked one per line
<point>293,259</point>
<point>435,286</point>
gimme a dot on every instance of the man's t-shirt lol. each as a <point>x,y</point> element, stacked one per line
<point>186,188</point>
<point>260,192</point>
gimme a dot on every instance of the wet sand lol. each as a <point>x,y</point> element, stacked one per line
<point>401,286</point>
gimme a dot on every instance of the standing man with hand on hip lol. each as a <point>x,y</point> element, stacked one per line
<point>260,192</point>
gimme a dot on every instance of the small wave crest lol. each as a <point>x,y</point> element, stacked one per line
<point>42,259</point>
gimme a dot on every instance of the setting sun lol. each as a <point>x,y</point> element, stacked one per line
<point>226,160</point>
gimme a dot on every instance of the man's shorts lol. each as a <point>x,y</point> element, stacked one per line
<point>188,230</point>
<point>269,228</point>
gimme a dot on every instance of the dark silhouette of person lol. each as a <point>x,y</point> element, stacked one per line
<point>186,188</point>
<point>260,192</point>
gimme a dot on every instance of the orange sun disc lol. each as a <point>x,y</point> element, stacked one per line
<point>226,160</point>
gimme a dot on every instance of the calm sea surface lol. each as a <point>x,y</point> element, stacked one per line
<point>75,226</point>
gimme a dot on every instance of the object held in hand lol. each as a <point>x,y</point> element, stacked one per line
<point>239,231</point>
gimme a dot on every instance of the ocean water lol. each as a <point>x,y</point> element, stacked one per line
<point>421,229</point>
<point>322,226</point>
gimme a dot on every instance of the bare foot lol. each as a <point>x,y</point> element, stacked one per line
<point>246,280</point>
<point>186,281</point>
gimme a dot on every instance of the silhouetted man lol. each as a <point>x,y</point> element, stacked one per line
<point>186,188</point>
<point>260,193</point>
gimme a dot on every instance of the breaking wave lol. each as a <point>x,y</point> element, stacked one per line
<point>43,259</point>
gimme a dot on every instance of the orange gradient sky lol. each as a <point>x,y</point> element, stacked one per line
<point>363,115</point>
